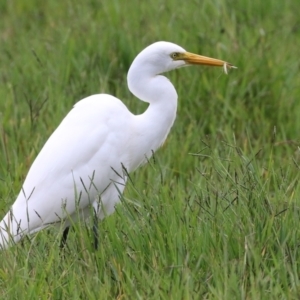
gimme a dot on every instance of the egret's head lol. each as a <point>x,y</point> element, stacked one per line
<point>162,57</point>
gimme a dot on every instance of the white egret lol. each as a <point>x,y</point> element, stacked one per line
<point>85,161</point>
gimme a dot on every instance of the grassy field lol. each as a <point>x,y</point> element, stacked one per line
<point>215,214</point>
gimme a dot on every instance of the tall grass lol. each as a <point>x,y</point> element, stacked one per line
<point>215,214</point>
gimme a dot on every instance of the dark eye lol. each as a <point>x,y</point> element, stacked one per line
<point>175,55</point>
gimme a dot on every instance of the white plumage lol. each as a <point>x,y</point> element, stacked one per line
<point>83,161</point>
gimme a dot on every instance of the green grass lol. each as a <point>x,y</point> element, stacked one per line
<point>216,214</point>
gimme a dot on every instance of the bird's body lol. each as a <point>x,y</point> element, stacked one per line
<point>85,161</point>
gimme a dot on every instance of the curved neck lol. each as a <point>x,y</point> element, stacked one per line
<point>153,126</point>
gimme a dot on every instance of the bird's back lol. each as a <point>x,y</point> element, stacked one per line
<point>79,161</point>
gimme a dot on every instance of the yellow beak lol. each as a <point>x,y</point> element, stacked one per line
<point>196,59</point>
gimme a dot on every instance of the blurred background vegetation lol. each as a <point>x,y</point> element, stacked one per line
<point>216,214</point>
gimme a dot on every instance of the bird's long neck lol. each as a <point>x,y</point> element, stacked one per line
<point>160,115</point>
<point>153,126</point>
